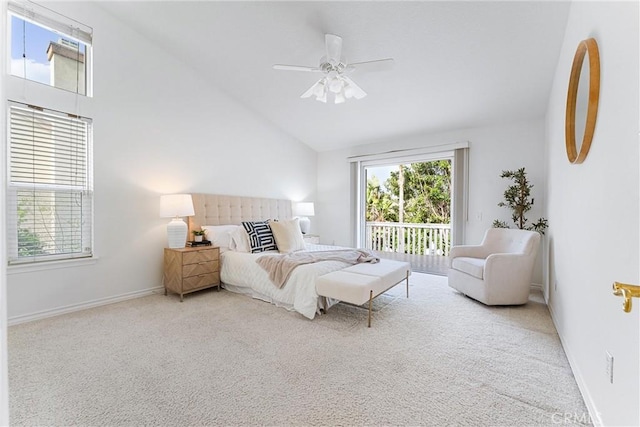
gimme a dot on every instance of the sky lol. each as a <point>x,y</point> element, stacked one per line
<point>381,172</point>
<point>33,40</point>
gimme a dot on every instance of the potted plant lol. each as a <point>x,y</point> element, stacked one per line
<point>517,199</point>
<point>198,235</point>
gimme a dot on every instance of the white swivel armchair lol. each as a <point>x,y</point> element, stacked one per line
<point>499,270</point>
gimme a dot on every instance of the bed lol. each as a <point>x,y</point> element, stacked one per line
<point>222,216</point>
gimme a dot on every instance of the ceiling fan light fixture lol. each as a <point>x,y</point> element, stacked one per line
<point>335,69</point>
<point>320,87</point>
<point>323,96</point>
<point>336,84</point>
<point>348,91</point>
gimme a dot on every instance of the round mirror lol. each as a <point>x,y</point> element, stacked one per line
<point>582,101</point>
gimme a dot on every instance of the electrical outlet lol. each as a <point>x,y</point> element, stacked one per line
<point>479,216</point>
<point>610,367</point>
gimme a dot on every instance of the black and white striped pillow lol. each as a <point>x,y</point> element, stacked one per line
<point>260,236</point>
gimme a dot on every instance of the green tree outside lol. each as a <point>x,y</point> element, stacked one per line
<point>380,206</point>
<point>417,193</point>
<point>427,194</point>
<point>29,243</point>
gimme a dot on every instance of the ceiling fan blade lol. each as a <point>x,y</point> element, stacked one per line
<point>317,89</point>
<point>296,68</point>
<point>353,89</point>
<point>309,91</point>
<point>374,65</point>
<point>333,44</point>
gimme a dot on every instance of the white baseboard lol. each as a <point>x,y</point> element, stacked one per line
<point>82,306</point>
<point>537,286</point>
<point>594,415</point>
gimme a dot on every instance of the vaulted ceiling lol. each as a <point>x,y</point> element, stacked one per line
<point>457,64</point>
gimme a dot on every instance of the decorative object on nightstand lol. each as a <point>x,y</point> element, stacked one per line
<point>198,235</point>
<point>304,210</point>
<point>191,244</point>
<point>176,206</point>
<point>191,269</point>
<point>313,239</point>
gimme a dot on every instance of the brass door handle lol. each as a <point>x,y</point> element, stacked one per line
<point>627,292</point>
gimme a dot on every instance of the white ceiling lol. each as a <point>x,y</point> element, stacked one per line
<point>457,64</point>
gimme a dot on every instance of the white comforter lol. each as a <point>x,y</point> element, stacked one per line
<point>241,273</point>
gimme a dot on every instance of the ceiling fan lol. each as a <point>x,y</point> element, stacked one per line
<point>335,69</point>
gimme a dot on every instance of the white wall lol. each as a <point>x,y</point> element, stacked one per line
<point>4,382</point>
<point>593,212</point>
<point>158,128</point>
<point>492,150</point>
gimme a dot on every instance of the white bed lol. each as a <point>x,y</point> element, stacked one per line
<point>239,271</point>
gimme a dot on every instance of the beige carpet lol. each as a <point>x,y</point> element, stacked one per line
<point>438,358</point>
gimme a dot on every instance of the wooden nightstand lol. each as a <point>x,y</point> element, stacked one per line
<point>311,238</point>
<point>191,269</point>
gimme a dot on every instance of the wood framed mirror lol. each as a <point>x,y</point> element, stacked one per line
<point>582,101</point>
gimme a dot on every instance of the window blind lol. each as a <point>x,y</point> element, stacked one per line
<point>50,194</point>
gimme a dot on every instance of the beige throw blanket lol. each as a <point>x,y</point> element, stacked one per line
<point>280,267</point>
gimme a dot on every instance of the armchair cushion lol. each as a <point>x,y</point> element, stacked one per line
<point>472,266</point>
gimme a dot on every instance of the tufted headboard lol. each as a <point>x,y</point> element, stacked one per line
<point>213,209</point>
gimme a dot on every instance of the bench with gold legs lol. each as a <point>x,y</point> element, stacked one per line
<point>363,282</point>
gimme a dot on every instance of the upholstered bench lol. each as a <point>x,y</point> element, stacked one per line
<point>363,282</point>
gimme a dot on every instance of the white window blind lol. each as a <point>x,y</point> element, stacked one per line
<point>50,194</point>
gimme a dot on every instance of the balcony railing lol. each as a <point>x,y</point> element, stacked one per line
<point>418,239</point>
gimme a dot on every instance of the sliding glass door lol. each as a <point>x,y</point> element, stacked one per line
<point>413,206</point>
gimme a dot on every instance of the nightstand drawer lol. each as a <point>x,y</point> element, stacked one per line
<point>189,270</point>
<point>199,256</point>
<point>201,281</point>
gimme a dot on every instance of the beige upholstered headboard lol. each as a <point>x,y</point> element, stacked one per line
<point>212,209</point>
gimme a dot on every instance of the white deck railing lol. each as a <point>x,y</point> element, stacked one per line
<point>419,239</point>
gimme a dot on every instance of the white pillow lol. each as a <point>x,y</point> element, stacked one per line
<point>220,235</point>
<point>240,240</point>
<point>288,235</point>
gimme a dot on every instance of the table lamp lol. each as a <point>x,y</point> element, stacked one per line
<point>176,206</point>
<point>304,210</point>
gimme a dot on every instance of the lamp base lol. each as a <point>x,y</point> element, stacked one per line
<point>305,224</point>
<point>177,233</point>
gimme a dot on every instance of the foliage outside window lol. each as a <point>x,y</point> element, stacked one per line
<point>426,194</point>
<point>417,193</point>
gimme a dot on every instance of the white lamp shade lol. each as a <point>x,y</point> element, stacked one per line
<point>176,205</point>
<point>303,209</point>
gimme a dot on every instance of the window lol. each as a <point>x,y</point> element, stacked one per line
<point>49,48</point>
<point>49,161</point>
<point>50,194</point>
